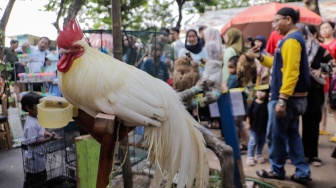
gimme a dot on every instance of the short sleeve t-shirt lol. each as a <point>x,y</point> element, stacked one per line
<point>34,156</point>
<point>331,47</point>
<point>258,116</point>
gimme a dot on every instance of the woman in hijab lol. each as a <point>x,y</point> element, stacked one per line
<point>313,114</point>
<point>195,49</point>
<point>234,41</point>
<point>213,43</point>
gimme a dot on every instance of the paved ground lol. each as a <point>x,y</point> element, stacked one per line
<point>323,177</point>
<point>11,171</point>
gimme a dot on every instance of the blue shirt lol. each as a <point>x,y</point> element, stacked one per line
<point>159,71</point>
<point>233,82</point>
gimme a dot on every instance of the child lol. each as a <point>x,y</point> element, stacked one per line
<point>154,66</point>
<point>232,65</point>
<point>233,83</point>
<point>257,118</point>
<point>35,136</point>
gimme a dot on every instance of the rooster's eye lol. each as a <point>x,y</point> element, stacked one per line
<point>76,48</point>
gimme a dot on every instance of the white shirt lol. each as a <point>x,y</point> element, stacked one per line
<point>34,156</point>
<point>38,59</point>
<point>178,46</point>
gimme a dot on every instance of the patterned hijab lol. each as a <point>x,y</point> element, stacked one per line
<point>213,43</point>
<point>312,45</point>
<point>236,40</point>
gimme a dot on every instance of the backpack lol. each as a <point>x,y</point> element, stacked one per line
<point>332,92</point>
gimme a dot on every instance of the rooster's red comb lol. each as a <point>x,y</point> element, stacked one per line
<point>69,34</point>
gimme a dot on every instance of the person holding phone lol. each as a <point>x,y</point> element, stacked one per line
<point>195,48</point>
<point>262,71</point>
<point>288,98</point>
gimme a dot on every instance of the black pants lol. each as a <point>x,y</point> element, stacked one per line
<point>35,180</point>
<point>310,133</point>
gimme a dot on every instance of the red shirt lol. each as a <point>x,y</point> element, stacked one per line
<point>331,47</point>
<point>272,42</point>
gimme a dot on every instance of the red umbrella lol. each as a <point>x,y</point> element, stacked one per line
<point>101,41</point>
<point>257,20</point>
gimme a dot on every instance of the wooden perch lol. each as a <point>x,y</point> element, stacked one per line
<point>225,155</point>
<point>106,135</point>
<point>104,123</point>
<point>103,129</point>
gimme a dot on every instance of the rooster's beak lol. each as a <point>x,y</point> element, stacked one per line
<point>63,51</point>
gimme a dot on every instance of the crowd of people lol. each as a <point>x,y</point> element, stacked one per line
<point>41,60</point>
<point>296,62</point>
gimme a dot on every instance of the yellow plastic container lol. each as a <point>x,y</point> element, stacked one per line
<point>54,112</point>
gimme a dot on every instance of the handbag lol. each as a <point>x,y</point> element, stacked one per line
<point>316,80</point>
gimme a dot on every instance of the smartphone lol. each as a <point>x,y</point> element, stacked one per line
<point>249,38</point>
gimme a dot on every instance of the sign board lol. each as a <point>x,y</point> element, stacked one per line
<point>237,103</point>
<point>214,111</point>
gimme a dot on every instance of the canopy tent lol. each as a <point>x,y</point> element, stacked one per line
<point>102,41</point>
<point>219,18</point>
<point>257,20</point>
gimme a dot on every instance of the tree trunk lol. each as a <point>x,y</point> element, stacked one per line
<point>224,154</point>
<point>180,6</point>
<point>75,6</point>
<point>58,16</point>
<point>116,25</point>
<point>5,17</point>
<point>3,25</point>
<point>117,52</point>
<point>312,5</point>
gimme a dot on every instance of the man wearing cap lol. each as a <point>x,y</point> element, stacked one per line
<point>289,88</point>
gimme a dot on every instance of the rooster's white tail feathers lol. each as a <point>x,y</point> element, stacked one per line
<point>177,146</point>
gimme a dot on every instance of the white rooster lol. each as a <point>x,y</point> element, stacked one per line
<point>96,82</point>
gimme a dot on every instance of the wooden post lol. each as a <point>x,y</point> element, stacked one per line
<point>117,52</point>
<point>105,124</point>
<point>106,159</point>
<point>117,36</point>
<point>229,132</point>
<point>105,137</point>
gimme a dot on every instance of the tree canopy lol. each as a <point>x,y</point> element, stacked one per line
<point>136,14</point>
